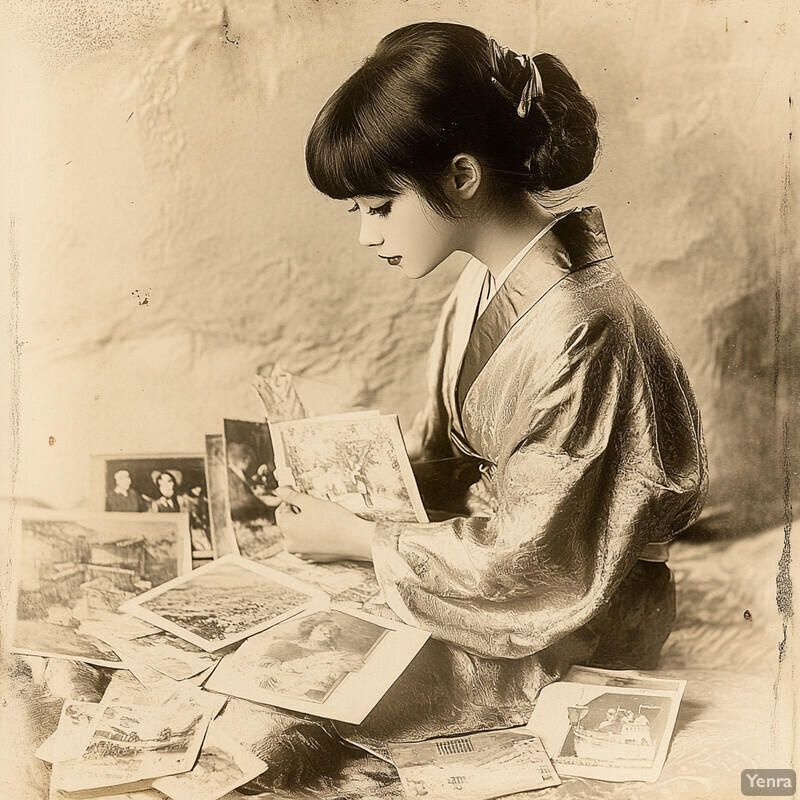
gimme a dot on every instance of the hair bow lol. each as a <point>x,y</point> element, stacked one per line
<point>516,77</point>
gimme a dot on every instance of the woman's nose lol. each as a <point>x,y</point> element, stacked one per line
<point>369,235</point>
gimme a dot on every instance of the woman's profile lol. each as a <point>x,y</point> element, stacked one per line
<point>547,372</point>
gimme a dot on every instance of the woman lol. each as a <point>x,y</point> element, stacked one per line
<point>547,370</point>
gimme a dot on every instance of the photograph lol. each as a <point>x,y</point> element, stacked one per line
<point>223,765</point>
<point>479,767</point>
<point>250,463</point>
<point>223,602</point>
<point>335,663</point>
<point>157,483</point>
<point>223,542</point>
<point>361,464</point>
<point>612,733</point>
<point>74,567</point>
<point>129,744</point>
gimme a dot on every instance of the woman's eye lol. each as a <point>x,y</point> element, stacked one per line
<point>353,209</point>
<point>381,211</point>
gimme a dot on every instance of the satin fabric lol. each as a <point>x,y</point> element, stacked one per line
<point>591,445</point>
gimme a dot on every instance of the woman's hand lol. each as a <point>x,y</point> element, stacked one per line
<point>320,530</point>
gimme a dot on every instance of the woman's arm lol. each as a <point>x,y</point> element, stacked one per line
<point>602,455</point>
<point>320,530</point>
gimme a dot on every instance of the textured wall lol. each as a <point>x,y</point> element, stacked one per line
<point>169,243</point>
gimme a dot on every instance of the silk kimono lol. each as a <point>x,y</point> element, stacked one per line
<point>578,412</point>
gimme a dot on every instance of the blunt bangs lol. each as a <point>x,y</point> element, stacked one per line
<point>348,152</point>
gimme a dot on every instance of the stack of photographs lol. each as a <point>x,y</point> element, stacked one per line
<point>73,568</point>
<point>155,483</point>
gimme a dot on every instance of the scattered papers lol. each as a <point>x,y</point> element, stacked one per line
<point>345,581</point>
<point>335,663</point>
<point>613,726</point>
<point>71,567</point>
<point>223,602</point>
<point>223,766</point>
<point>165,653</point>
<point>126,745</point>
<point>479,766</point>
<point>359,462</point>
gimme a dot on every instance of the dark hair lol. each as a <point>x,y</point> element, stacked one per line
<point>424,96</point>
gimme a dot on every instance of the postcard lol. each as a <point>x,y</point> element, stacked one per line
<point>130,744</point>
<point>223,766</point>
<point>607,731</point>
<point>223,542</point>
<point>345,581</point>
<point>72,567</point>
<point>158,483</point>
<point>480,766</point>
<point>250,466</point>
<point>71,736</point>
<point>224,602</point>
<point>335,663</point>
<point>360,463</point>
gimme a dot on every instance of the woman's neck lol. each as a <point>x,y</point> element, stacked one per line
<point>495,238</point>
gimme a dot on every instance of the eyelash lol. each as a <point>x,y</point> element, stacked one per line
<point>381,211</point>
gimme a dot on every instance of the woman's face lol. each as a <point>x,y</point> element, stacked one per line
<point>405,232</point>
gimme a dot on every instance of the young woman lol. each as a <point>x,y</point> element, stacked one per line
<point>547,370</point>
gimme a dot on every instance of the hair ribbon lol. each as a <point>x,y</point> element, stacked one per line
<point>516,77</point>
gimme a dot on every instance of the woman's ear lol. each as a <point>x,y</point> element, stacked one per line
<point>463,177</point>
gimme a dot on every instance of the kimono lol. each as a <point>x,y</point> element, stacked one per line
<point>581,419</point>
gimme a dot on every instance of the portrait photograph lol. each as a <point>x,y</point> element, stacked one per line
<point>335,662</point>
<point>250,480</point>
<point>475,320</point>
<point>156,484</point>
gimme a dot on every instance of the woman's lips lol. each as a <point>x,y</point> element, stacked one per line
<point>393,260</point>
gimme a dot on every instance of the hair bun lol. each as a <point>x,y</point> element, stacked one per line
<point>565,154</point>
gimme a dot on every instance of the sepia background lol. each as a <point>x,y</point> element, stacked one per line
<point>169,243</point>
<point>164,243</point>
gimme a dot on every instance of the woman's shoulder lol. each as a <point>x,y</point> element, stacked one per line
<point>593,305</point>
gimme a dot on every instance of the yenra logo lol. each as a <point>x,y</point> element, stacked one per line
<point>768,782</point>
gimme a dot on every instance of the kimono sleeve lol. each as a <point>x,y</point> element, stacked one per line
<point>580,488</point>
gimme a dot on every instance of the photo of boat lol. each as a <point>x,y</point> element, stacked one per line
<point>614,729</point>
<point>624,734</point>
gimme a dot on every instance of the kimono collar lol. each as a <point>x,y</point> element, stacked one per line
<point>580,240</point>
